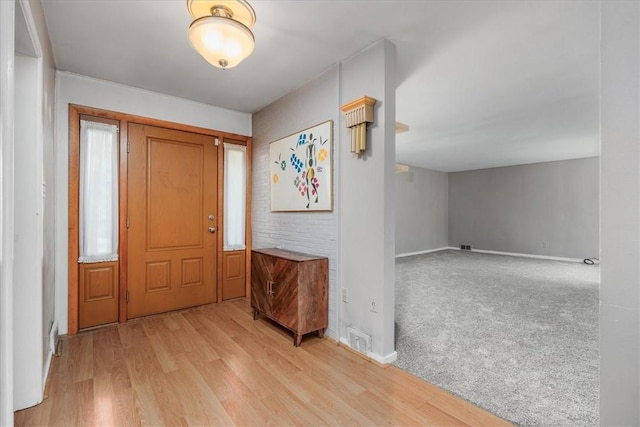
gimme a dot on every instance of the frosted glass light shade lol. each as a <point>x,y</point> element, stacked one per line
<point>223,42</point>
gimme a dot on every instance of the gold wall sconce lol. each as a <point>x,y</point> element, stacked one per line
<point>358,114</point>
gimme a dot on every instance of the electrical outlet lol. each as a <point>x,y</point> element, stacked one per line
<point>373,307</point>
<point>345,295</point>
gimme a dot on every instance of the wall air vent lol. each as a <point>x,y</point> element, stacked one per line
<point>359,341</point>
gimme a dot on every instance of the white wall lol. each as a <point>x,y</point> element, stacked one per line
<point>367,205</point>
<point>81,90</point>
<point>7,22</point>
<point>422,210</point>
<point>548,209</point>
<point>33,279</point>
<point>27,293</point>
<point>620,214</point>
<point>47,189</point>
<point>308,232</point>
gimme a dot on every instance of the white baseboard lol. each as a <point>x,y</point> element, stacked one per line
<point>53,341</point>
<point>382,360</point>
<point>53,336</point>
<point>516,254</point>
<point>428,251</point>
<point>45,372</point>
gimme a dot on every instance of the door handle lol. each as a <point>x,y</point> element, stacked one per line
<point>212,229</point>
<point>270,290</point>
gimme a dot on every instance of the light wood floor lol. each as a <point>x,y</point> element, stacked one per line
<point>215,365</point>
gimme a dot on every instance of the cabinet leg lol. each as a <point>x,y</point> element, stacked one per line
<point>297,339</point>
<point>321,333</point>
<point>256,313</point>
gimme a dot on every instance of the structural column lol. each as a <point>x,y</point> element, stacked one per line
<point>620,214</point>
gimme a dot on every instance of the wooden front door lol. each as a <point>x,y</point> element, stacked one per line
<point>172,199</point>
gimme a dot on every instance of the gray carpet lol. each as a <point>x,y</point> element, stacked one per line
<point>516,336</point>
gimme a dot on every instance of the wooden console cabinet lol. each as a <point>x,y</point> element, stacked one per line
<point>290,288</point>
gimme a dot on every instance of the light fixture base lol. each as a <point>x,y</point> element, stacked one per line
<point>240,10</point>
<point>222,11</point>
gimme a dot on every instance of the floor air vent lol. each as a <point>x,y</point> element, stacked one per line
<point>359,341</point>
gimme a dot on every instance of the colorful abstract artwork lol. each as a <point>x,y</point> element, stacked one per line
<point>301,170</point>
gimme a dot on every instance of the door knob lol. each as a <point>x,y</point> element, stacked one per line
<point>212,229</point>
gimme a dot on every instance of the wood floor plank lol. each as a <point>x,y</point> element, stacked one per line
<point>232,327</point>
<point>200,403</point>
<point>124,404</point>
<point>215,365</point>
<point>84,403</point>
<point>438,417</point>
<point>249,412</point>
<point>465,411</point>
<point>154,325</point>
<point>337,407</point>
<point>103,402</point>
<point>167,395</point>
<point>147,412</point>
<point>297,390</point>
<point>217,338</point>
<point>221,379</point>
<point>163,353</point>
<point>170,319</point>
<point>141,362</point>
<point>108,357</point>
<point>83,347</point>
<point>132,333</point>
<point>204,348</point>
<point>279,395</point>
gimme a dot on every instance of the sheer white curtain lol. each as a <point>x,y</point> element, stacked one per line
<point>235,190</point>
<point>98,192</point>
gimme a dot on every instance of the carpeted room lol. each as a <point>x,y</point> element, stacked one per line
<point>517,335</point>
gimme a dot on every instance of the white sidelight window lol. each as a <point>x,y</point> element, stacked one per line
<point>98,192</point>
<point>235,191</point>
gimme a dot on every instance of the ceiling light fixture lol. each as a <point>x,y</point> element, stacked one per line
<point>221,30</point>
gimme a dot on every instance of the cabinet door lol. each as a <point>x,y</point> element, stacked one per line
<point>284,297</point>
<point>261,266</point>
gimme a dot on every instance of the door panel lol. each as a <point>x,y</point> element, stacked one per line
<point>171,194</point>
<point>284,300</point>
<point>98,294</point>
<point>233,274</point>
<point>261,266</point>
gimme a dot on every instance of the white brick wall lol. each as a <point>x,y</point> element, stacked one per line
<point>309,232</point>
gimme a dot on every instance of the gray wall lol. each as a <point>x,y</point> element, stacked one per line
<point>422,210</point>
<point>367,203</point>
<point>310,232</point>
<point>620,214</point>
<point>540,209</point>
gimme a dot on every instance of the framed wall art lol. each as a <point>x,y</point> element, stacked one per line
<point>301,170</point>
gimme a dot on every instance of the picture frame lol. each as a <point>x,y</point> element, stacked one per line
<point>301,170</point>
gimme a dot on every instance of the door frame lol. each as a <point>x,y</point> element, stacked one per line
<point>75,111</point>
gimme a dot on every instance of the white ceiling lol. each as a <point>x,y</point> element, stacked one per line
<point>480,83</point>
